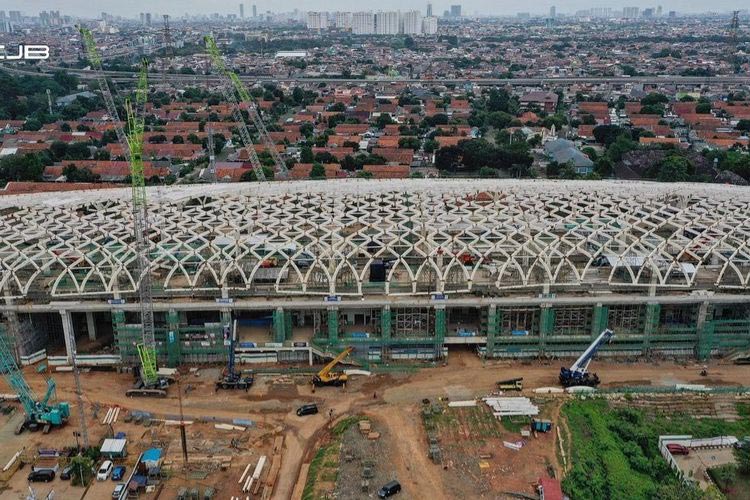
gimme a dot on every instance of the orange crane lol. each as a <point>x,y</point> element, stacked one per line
<point>327,377</point>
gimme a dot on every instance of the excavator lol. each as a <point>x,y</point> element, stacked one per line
<point>327,377</point>
<point>578,373</point>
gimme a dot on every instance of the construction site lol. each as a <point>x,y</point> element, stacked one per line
<point>437,327</point>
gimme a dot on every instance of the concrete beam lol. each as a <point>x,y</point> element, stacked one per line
<point>314,303</point>
<point>68,334</point>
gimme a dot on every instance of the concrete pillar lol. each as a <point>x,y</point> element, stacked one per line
<point>288,325</point>
<point>440,327</point>
<point>599,319</point>
<point>385,322</point>
<point>493,329</point>
<point>91,325</point>
<point>173,339</point>
<point>705,330</point>
<point>279,328</point>
<point>68,334</point>
<point>546,325</point>
<point>333,324</point>
<point>653,312</point>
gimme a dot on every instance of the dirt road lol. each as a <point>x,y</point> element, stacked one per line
<point>396,402</point>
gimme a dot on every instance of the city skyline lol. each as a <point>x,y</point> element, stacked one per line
<point>469,8</point>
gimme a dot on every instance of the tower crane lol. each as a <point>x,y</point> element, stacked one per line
<point>40,413</point>
<point>578,373</point>
<point>149,383</point>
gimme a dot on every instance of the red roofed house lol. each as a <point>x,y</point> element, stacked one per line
<point>387,171</point>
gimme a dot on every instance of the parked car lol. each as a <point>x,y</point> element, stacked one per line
<point>678,449</point>
<point>389,489</point>
<point>308,409</point>
<point>41,476</point>
<point>65,473</point>
<point>118,490</point>
<point>118,473</point>
<point>104,470</point>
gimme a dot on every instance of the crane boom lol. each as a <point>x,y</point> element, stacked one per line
<point>578,373</point>
<point>325,375</point>
<point>252,111</point>
<point>229,96</point>
<point>136,126</point>
<point>95,60</point>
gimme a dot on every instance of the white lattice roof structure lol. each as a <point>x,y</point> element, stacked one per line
<point>321,238</point>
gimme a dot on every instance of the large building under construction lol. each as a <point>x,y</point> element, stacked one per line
<point>396,269</point>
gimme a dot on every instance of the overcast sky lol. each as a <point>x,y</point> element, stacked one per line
<point>90,8</point>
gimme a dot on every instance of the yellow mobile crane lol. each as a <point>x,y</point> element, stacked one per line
<point>327,377</point>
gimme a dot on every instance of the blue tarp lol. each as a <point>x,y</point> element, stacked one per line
<point>151,455</point>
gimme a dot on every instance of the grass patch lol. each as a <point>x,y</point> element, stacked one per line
<point>743,410</point>
<point>325,464</point>
<point>514,425</point>
<point>615,452</point>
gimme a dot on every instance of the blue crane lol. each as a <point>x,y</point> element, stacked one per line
<point>230,378</point>
<point>39,413</point>
<point>578,373</point>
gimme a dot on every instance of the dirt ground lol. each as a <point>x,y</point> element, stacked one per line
<point>391,400</point>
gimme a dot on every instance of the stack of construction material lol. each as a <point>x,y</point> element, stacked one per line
<point>508,407</point>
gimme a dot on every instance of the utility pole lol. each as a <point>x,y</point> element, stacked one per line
<point>183,436</point>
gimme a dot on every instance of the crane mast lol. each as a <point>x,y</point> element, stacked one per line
<point>136,126</point>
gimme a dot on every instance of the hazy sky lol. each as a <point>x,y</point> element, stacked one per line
<point>179,7</point>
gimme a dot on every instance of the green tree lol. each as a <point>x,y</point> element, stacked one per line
<point>78,151</point>
<point>306,155</point>
<point>82,471</point>
<point>383,120</point>
<point>249,176</point>
<point>32,124</point>
<point>431,145</point>
<point>318,171</point>
<point>654,98</point>
<point>703,108</point>
<point>742,457</point>
<point>743,125</point>
<point>674,168</point>
<point>410,142</point>
<point>487,172</point>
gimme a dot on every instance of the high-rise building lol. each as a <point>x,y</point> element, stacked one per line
<point>343,20</point>
<point>387,22</point>
<point>255,11</point>
<point>143,18</point>
<point>672,14</point>
<point>552,12</point>
<point>429,9</point>
<point>363,23</point>
<point>659,11</point>
<point>242,11</point>
<point>148,19</point>
<point>630,12</point>
<point>317,20</point>
<point>412,22</point>
<point>455,11</point>
<point>648,12</point>
<point>2,15</point>
<point>14,16</point>
<point>429,25</point>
